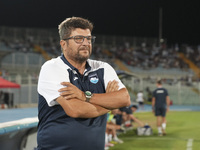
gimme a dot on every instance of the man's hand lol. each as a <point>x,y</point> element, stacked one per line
<point>153,110</point>
<point>71,91</point>
<point>167,109</point>
<point>112,86</point>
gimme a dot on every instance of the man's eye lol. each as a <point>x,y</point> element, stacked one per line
<point>89,38</point>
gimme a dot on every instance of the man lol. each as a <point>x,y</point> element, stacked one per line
<point>133,109</point>
<point>76,93</point>
<point>160,105</point>
<point>128,116</point>
<point>140,100</point>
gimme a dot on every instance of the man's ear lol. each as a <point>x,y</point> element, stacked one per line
<point>62,43</point>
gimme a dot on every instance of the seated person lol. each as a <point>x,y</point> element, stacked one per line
<point>111,128</point>
<point>127,116</point>
<point>130,115</point>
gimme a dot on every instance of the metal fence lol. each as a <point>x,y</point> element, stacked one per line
<point>25,69</point>
<point>180,93</point>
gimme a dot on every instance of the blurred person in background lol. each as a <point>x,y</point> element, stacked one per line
<point>128,116</point>
<point>76,93</point>
<point>130,112</point>
<point>124,117</point>
<point>140,100</point>
<point>160,105</point>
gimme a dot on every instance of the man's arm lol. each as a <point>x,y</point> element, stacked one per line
<point>79,109</point>
<point>168,102</point>
<point>76,108</point>
<point>153,104</point>
<point>112,99</point>
<point>141,124</point>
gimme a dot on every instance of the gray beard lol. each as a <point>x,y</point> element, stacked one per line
<point>79,59</point>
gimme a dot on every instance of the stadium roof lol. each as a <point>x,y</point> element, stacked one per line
<point>125,74</point>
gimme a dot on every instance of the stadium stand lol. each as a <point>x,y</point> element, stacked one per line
<point>139,63</point>
<point>24,50</point>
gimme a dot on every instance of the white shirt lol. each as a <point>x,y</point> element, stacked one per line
<point>55,71</point>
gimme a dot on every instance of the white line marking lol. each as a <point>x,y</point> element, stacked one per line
<point>150,138</point>
<point>189,141</point>
<point>189,144</point>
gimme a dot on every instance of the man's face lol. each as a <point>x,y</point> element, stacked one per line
<point>133,109</point>
<point>77,52</point>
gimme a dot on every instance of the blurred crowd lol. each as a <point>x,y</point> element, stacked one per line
<point>153,56</point>
<point>144,56</point>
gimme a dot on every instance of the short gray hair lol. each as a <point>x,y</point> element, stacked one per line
<point>69,24</point>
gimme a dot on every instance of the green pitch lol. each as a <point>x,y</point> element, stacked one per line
<point>183,133</point>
